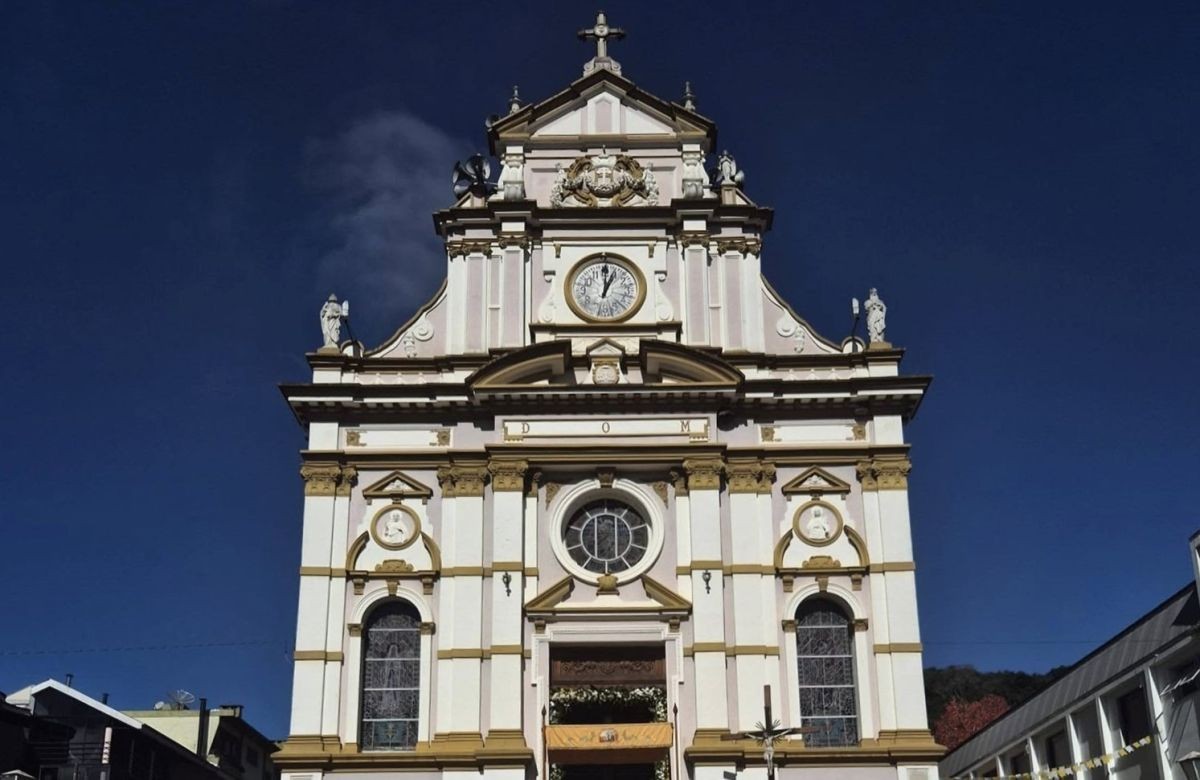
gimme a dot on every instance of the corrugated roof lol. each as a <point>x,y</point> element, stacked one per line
<point>1176,617</point>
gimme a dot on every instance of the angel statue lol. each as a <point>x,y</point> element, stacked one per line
<point>876,318</point>
<point>332,314</point>
<point>727,171</point>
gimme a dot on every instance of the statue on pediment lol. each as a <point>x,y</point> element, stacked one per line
<point>876,318</point>
<point>332,314</point>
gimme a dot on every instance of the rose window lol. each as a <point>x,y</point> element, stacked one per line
<point>607,536</point>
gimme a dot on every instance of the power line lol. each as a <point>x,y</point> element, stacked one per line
<point>139,648</point>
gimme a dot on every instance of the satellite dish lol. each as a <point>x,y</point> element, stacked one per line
<point>471,175</point>
<point>180,699</point>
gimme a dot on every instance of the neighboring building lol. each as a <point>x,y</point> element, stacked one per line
<point>231,743</point>
<point>606,487</point>
<point>66,735</point>
<point>1140,684</point>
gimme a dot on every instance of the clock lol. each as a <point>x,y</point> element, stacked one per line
<point>605,288</point>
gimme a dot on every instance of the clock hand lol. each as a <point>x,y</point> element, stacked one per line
<point>608,275</point>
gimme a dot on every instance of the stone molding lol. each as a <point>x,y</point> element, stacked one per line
<point>457,480</point>
<point>884,473</point>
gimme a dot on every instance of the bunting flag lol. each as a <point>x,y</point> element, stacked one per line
<point>1064,771</point>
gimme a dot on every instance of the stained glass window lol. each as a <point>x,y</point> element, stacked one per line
<point>825,653</point>
<point>391,679</point>
<point>607,537</point>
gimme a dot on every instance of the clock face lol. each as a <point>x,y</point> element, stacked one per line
<point>605,289</point>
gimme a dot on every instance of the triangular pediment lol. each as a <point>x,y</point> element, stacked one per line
<point>398,486</point>
<point>815,481</point>
<point>601,104</point>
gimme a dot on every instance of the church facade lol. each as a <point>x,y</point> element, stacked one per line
<point>606,503</point>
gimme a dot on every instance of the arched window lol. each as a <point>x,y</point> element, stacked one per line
<point>825,655</point>
<point>391,679</point>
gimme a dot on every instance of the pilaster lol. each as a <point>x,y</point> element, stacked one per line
<point>507,567</point>
<point>315,687</point>
<point>460,651</point>
<point>703,479</point>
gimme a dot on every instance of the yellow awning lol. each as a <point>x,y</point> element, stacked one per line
<point>610,736</point>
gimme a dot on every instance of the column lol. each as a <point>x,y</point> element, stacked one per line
<point>1158,722</point>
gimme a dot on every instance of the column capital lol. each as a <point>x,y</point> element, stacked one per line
<point>703,473</point>
<point>750,476</point>
<point>462,480</point>
<point>508,475</point>
<point>884,473</point>
<point>328,479</point>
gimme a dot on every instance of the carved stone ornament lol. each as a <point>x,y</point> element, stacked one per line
<point>660,489</point>
<point>606,371</point>
<point>703,473</point>
<point>604,180</point>
<point>462,480</point>
<point>552,489</point>
<point>508,474</point>
<point>884,473</point>
<point>821,562</point>
<point>394,566</point>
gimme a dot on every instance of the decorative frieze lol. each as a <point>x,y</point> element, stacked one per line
<point>508,475</point>
<point>703,473</point>
<point>752,476</point>
<point>327,479</point>
<point>462,480</point>
<point>884,473</point>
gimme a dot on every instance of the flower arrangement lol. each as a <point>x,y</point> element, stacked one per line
<point>563,700</point>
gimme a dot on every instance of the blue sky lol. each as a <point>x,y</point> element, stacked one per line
<point>183,183</point>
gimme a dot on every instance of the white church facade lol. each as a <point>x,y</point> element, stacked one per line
<point>606,489</point>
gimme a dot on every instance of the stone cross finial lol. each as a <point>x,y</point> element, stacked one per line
<point>514,102</point>
<point>600,33</point>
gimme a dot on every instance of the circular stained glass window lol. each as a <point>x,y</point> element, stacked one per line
<point>607,536</point>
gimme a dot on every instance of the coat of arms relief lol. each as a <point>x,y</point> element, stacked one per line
<point>605,180</point>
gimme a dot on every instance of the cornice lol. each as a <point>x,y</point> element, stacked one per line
<point>650,456</point>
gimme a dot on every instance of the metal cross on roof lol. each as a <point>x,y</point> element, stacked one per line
<point>768,730</point>
<point>600,33</point>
